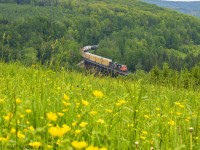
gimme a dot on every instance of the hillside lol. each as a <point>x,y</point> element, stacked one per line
<point>63,110</point>
<point>130,32</point>
<point>192,8</point>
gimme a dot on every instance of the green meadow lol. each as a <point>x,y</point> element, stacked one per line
<point>43,109</point>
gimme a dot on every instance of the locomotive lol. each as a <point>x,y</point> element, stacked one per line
<point>101,61</point>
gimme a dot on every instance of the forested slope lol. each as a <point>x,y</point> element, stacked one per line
<point>130,32</point>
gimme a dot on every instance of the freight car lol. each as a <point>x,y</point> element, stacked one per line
<point>102,61</point>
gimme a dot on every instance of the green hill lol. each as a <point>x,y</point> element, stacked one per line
<point>129,32</point>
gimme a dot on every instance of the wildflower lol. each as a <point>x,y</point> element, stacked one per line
<point>178,113</point>
<point>49,146</point>
<point>85,103</point>
<point>83,124</point>
<point>52,116</point>
<point>31,128</point>
<point>2,101</point>
<point>101,121</point>
<point>157,109</point>
<point>142,137</point>
<point>146,116</point>
<point>120,102</point>
<point>28,111</point>
<point>8,116</point>
<point>35,144</point>
<point>171,122</point>
<point>79,145</point>
<point>144,132</point>
<point>92,148</point>
<point>21,116</point>
<point>98,94</point>
<point>20,135</point>
<point>74,123</point>
<point>77,131</point>
<point>92,113</point>
<point>18,101</point>
<point>60,114</point>
<point>64,110</point>
<point>66,104</point>
<point>4,139</point>
<point>65,97</point>
<point>109,110</point>
<point>59,132</point>
<point>78,116</point>
<point>13,130</point>
<point>27,122</point>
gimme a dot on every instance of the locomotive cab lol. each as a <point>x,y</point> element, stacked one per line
<point>123,68</point>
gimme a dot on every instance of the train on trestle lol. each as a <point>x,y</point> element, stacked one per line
<point>102,62</point>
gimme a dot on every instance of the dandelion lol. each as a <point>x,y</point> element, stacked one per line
<point>100,121</point>
<point>92,148</point>
<point>28,111</point>
<point>74,124</point>
<point>65,97</point>
<point>157,109</point>
<point>83,124</point>
<point>18,101</point>
<point>66,103</point>
<point>144,132</point>
<point>178,113</point>
<point>52,116</point>
<point>20,135</point>
<point>8,116</point>
<point>35,144</point>
<point>77,131</point>
<point>60,114</point>
<point>109,110</point>
<point>79,145</point>
<point>85,103</point>
<point>4,139</point>
<point>13,130</point>
<point>98,94</point>
<point>31,128</point>
<point>92,113</point>
<point>171,122</point>
<point>59,132</point>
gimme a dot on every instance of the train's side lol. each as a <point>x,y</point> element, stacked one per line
<point>97,59</point>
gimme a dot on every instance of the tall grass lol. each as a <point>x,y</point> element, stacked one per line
<point>108,113</point>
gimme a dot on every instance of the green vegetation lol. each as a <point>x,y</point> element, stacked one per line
<point>44,109</point>
<point>129,32</point>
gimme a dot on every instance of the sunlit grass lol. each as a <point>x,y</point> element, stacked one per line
<point>43,109</point>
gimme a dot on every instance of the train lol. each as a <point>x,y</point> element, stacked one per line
<point>102,61</point>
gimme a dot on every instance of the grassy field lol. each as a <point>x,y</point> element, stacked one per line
<point>42,109</point>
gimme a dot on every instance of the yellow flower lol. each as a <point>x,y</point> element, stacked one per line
<point>85,103</point>
<point>8,116</point>
<point>35,144</point>
<point>92,148</point>
<point>144,132</point>
<point>83,124</point>
<point>52,116</point>
<point>49,146</point>
<point>74,123</point>
<point>77,131</point>
<point>60,114</point>
<point>178,113</point>
<point>101,121</point>
<point>66,104</point>
<point>109,110</point>
<point>28,111</point>
<point>2,101</point>
<point>92,113</point>
<point>31,128</point>
<point>65,97</point>
<point>157,109</point>
<point>79,145</point>
<point>20,135</point>
<point>98,94</point>
<point>171,122</point>
<point>59,132</point>
<point>13,130</point>
<point>18,101</point>
<point>4,139</point>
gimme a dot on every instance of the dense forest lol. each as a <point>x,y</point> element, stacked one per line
<point>131,32</point>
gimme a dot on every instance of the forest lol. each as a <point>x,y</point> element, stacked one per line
<point>134,33</point>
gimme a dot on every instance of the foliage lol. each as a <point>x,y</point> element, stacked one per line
<point>129,32</point>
